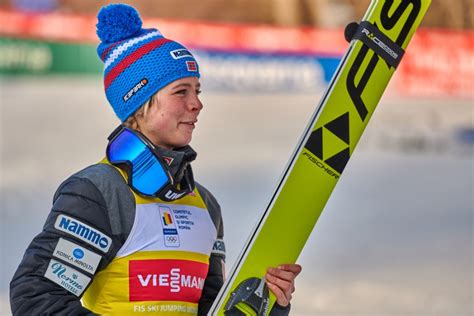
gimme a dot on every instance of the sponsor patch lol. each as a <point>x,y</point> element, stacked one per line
<point>135,89</point>
<point>168,160</point>
<point>166,280</point>
<point>67,277</point>
<point>170,233</point>
<point>191,65</point>
<point>180,53</point>
<point>83,232</point>
<point>77,255</point>
<point>173,195</point>
<point>219,247</point>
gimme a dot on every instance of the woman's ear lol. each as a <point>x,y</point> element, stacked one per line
<point>137,119</point>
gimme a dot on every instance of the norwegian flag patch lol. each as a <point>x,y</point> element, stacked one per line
<point>191,64</point>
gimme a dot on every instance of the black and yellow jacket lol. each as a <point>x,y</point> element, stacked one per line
<point>106,250</point>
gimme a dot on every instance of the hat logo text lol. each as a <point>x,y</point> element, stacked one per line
<point>135,89</point>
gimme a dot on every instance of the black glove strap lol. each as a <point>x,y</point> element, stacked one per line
<point>370,35</point>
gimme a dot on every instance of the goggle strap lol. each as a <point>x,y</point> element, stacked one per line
<point>115,132</point>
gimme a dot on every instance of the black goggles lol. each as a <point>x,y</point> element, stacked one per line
<point>148,174</point>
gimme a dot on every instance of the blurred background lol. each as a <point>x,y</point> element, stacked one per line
<point>396,237</point>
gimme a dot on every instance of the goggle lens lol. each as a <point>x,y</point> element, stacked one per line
<point>148,176</point>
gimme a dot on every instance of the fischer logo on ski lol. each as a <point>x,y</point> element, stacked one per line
<point>340,128</point>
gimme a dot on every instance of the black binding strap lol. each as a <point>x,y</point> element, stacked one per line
<point>370,35</point>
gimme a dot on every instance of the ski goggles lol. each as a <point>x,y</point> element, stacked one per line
<point>147,173</point>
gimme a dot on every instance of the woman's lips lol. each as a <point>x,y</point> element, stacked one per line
<point>189,123</point>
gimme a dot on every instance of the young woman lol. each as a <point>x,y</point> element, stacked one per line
<point>134,234</point>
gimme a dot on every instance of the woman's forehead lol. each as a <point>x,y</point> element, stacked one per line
<point>187,81</point>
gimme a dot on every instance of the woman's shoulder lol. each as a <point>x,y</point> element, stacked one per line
<point>99,182</point>
<point>207,196</point>
<point>104,185</point>
<point>101,175</point>
<point>212,206</point>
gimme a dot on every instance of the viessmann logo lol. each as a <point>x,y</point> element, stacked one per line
<point>154,280</point>
<point>83,232</point>
<point>174,280</point>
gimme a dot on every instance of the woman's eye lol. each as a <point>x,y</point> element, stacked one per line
<point>181,91</point>
<point>198,92</point>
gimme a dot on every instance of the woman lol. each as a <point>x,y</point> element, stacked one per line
<point>134,234</point>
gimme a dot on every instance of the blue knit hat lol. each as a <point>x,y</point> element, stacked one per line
<point>138,62</point>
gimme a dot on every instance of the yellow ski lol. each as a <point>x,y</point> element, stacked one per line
<point>377,45</point>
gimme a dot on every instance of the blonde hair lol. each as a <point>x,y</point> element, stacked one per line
<point>132,121</point>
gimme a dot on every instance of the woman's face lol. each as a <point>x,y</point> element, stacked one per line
<point>172,117</point>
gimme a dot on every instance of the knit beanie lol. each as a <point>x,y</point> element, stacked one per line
<point>138,62</point>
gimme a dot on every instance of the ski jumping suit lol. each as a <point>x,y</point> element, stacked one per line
<point>121,253</point>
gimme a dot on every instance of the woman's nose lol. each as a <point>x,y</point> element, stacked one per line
<point>195,104</point>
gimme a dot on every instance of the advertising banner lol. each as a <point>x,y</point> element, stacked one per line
<point>253,58</point>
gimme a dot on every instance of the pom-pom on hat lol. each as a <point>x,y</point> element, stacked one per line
<point>138,62</point>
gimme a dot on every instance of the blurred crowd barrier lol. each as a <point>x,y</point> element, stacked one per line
<point>239,57</point>
<point>319,13</point>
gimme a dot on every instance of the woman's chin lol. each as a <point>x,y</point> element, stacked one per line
<point>182,142</point>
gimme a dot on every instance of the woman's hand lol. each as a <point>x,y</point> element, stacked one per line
<point>281,281</point>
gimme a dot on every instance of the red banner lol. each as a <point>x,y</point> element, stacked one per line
<point>438,63</point>
<point>200,35</point>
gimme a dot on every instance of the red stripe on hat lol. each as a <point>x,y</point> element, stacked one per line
<point>130,59</point>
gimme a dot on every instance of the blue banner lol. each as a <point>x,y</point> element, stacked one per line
<point>265,72</point>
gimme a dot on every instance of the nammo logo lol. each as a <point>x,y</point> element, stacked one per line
<point>83,232</point>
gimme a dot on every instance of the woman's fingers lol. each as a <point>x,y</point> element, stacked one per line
<point>285,274</point>
<point>284,285</point>
<point>281,282</point>
<point>295,268</point>
<point>281,297</point>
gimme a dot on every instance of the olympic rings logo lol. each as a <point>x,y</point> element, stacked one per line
<point>172,239</point>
